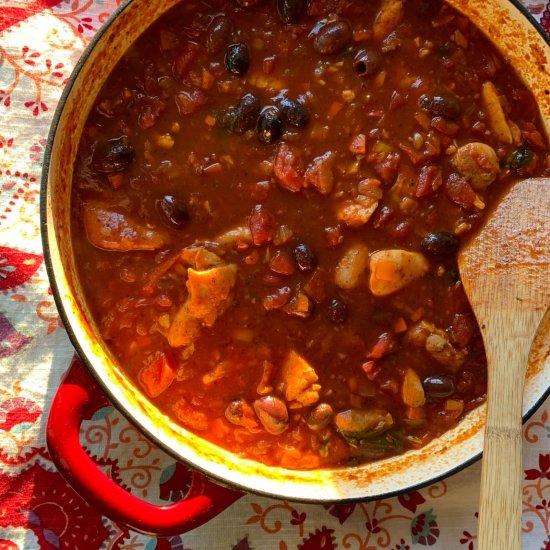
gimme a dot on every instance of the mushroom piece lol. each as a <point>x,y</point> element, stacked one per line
<point>477,162</point>
<point>357,424</point>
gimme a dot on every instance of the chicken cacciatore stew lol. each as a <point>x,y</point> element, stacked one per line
<point>268,201</point>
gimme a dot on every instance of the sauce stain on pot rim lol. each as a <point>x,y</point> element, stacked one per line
<point>103,367</point>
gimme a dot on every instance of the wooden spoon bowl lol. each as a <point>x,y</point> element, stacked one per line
<point>505,270</point>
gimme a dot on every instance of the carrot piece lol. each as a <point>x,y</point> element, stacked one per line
<point>157,376</point>
<point>400,325</point>
<point>417,314</point>
<point>207,79</point>
<point>334,109</point>
<point>210,120</point>
<point>384,345</point>
<point>385,270</point>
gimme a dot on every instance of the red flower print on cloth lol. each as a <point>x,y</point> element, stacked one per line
<point>16,267</point>
<point>424,529</point>
<point>11,341</point>
<point>42,501</point>
<point>175,481</point>
<point>18,414</point>
<point>543,472</point>
<point>341,511</point>
<point>411,501</point>
<point>545,19</point>
<point>322,539</point>
<point>10,15</point>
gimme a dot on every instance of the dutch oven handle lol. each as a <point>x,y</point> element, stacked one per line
<point>77,399</point>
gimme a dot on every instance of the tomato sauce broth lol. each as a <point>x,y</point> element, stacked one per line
<point>267,203</point>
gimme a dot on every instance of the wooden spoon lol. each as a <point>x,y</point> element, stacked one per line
<point>505,270</point>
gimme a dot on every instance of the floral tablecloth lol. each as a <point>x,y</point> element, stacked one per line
<point>40,41</point>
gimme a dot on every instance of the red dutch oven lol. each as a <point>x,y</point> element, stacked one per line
<point>521,42</point>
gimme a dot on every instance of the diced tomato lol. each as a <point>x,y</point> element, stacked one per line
<point>333,236</point>
<point>371,369</point>
<point>445,126</point>
<point>460,192</point>
<point>287,166</point>
<point>359,145</point>
<point>184,59</point>
<point>532,136</point>
<point>278,299</point>
<point>463,329</point>
<point>429,180</point>
<point>385,344</point>
<point>282,263</point>
<point>189,102</point>
<point>316,288</point>
<point>319,173</point>
<point>157,376</point>
<point>260,222</point>
<point>386,166</point>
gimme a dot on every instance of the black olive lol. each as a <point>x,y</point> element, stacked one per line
<point>290,11</point>
<point>440,243</point>
<point>114,156</point>
<point>438,387</point>
<point>445,104</point>
<point>337,311</point>
<point>519,158</point>
<point>243,116</point>
<point>237,59</point>
<point>368,61</point>
<point>175,211</point>
<point>429,8</point>
<point>218,34</point>
<point>293,112</point>
<point>305,258</point>
<point>333,37</point>
<point>270,124</point>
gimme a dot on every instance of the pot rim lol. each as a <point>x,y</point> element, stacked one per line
<point>45,235</point>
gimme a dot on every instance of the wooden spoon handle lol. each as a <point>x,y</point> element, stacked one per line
<point>501,484</point>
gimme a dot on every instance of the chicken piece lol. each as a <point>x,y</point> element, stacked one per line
<point>351,266</point>
<point>298,380</point>
<point>478,163</point>
<point>392,270</point>
<point>358,211</point>
<point>390,15</point>
<point>199,257</point>
<point>437,343</point>
<point>209,292</point>
<point>209,296</point>
<point>495,113</point>
<point>235,236</point>
<point>184,328</point>
<point>188,415</point>
<point>441,349</point>
<point>111,230</point>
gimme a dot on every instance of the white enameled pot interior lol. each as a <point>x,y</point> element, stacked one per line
<point>520,43</point>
